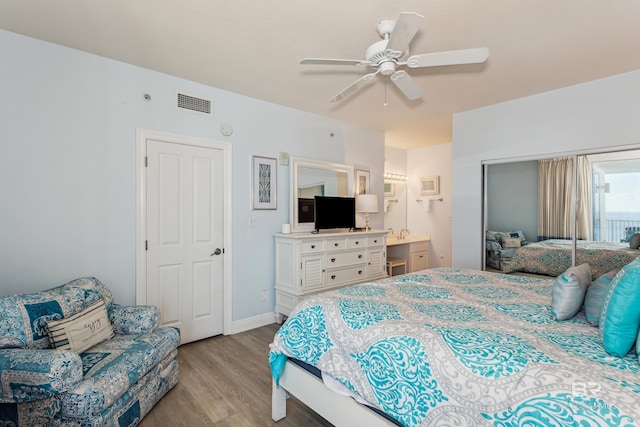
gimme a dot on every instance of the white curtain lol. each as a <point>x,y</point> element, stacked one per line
<point>555,198</point>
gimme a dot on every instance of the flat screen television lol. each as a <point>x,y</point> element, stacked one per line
<point>334,212</point>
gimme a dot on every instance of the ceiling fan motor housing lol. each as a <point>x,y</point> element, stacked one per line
<point>387,68</point>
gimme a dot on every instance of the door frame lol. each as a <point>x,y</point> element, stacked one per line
<point>142,135</point>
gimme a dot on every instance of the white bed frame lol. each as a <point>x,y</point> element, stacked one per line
<point>338,409</point>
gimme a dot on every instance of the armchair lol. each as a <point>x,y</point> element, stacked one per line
<point>501,246</point>
<point>114,382</point>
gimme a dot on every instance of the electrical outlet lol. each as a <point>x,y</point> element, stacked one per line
<point>253,221</point>
<point>265,295</point>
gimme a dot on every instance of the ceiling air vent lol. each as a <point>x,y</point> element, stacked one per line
<point>192,103</point>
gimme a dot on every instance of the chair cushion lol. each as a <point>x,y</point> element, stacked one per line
<point>634,241</point>
<point>112,367</point>
<point>620,315</point>
<point>23,323</point>
<point>569,290</point>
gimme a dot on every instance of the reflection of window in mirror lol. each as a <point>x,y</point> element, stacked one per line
<point>389,189</point>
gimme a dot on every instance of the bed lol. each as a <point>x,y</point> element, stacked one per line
<point>552,257</point>
<point>450,346</point>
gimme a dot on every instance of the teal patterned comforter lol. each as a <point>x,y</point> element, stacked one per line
<point>553,257</point>
<point>462,347</point>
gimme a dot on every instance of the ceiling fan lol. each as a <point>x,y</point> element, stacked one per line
<point>386,55</point>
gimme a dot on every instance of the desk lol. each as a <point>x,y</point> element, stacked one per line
<point>415,249</point>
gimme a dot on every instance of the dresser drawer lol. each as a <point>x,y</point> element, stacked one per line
<point>337,244</point>
<point>313,246</point>
<point>346,258</point>
<point>346,275</point>
<point>419,246</point>
<point>375,241</point>
<point>357,242</point>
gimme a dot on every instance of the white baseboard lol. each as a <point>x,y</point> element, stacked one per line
<point>252,322</point>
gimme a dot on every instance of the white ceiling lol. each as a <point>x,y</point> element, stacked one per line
<point>252,47</point>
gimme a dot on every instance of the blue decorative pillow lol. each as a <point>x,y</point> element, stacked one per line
<point>596,292</point>
<point>620,315</point>
<point>568,292</point>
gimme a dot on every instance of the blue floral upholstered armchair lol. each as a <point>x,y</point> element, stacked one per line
<point>501,246</point>
<point>69,356</point>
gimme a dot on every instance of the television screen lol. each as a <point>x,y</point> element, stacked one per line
<point>334,212</point>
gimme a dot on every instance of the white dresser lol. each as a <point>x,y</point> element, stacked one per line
<point>307,263</point>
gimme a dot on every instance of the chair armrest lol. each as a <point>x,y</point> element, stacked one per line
<point>29,375</point>
<point>134,319</point>
<point>493,246</point>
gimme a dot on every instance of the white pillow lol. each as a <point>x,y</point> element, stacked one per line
<point>511,242</point>
<point>83,330</point>
<point>569,290</point>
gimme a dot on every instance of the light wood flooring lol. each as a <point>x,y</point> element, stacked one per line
<point>226,381</point>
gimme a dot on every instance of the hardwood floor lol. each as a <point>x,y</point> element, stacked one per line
<point>226,381</point>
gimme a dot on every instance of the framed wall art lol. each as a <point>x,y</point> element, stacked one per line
<point>362,182</point>
<point>430,185</point>
<point>265,182</point>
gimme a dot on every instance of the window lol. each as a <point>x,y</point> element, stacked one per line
<point>616,201</point>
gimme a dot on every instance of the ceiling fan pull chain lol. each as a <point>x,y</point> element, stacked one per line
<point>385,93</point>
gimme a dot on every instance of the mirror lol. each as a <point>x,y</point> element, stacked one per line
<point>538,200</point>
<point>311,178</point>
<point>395,205</point>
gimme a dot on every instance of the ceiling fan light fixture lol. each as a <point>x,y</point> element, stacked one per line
<point>387,68</point>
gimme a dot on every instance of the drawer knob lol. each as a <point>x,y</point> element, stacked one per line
<point>375,241</point>
<point>359,271</point>
<point>333,260</point>
<point>357,242</point>
<point>360,256</point>
<point>333,276</point>
<point>313,246</point>
<point>335,244</point>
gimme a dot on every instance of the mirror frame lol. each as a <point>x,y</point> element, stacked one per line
<point>293,190</point>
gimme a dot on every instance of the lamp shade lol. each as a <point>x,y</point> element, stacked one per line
<point>367,203</point>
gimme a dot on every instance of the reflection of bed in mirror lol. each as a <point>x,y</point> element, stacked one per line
<point>553,257</point>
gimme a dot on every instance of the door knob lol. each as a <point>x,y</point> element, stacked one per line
<point>218,251</point>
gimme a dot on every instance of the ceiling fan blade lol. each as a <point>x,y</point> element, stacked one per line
<point>405,29</point>
<point>452,57</point>
<point>407,85</point>
<point>353,87</point>
<point>324,61</point>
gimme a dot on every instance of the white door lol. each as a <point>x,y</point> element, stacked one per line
<point>184,229</point>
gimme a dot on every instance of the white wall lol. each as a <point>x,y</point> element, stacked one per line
<point>67,169</point>
<point>423,162</point>
<point>599,114</point>
<point>366,151</point>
